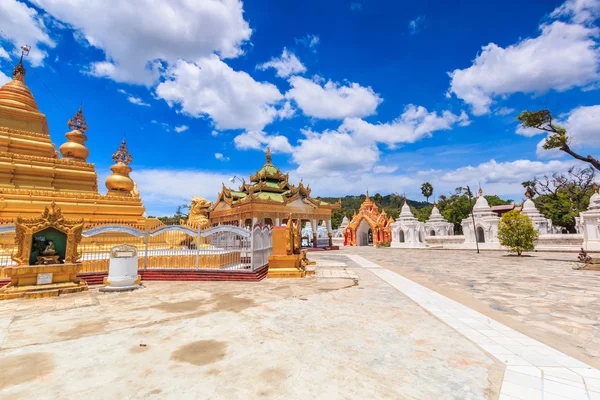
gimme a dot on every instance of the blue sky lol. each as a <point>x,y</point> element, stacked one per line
<point>349,95</point>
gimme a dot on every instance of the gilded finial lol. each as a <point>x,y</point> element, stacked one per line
<point>480,192</point>
<point>122,155</point>
<point>268,155</point>
<point>595,187</point>
<point>78,121</point>
<point>528,194</point>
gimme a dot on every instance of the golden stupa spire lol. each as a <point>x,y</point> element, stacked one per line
<point>122,154</point>
<point>119,183</point>
<point>74,148</point>
<point>19,71</point>
<point>268,155</point>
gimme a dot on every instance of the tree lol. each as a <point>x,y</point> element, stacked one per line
<point>427,190</point>
<point>561,197</point>
<point>557,138</point>
<point>516,232</point>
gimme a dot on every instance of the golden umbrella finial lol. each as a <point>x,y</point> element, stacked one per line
<point>78,121</point>
<point>19,71</point>
<point>122,154</point>
<point>268,155</point>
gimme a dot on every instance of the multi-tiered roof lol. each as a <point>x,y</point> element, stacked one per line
<point>270,185</point>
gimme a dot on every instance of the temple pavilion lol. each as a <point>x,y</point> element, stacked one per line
<point>270,199</point>
<point>368,226</point>
<point>33,174</point>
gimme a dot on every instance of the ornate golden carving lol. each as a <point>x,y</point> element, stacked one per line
<point>51,218</point>
<point>78,122</point>
<point>122,154</point>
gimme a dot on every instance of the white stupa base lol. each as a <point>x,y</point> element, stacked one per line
<point>111,289</point>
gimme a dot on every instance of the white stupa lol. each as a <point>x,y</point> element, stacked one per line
<point>436,225</point>
<point>407,231</point>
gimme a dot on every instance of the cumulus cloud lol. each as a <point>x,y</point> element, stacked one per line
<point>332,100</point>
<point>181,128</point>
<point>151,30</point>
<point>25,26</point>
<point>232,99</point>
<point>259,140</point>
<point>286,65</point>
<point>530,66</point>
<point>414,124</point>
<point>580,11</point>
<point>4,54</point>
<point>4,79</point>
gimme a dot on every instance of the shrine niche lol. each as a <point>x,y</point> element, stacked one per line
<point>46,256</point>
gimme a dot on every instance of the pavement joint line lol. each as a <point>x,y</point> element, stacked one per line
<point>522,355</point>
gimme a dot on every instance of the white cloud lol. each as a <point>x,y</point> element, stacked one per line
<point>415,25</point>
<point>530,66</point>
<point>309,41</point>
<point>504,111</point>
<point>215,133</point>
<point>513,172</point>
<point>528,132</point>
<point>151,30</point>
<point>4,79</point>
<point>181,128</point>
<point>232,99</point>
<point>414,124</point>
<point>332,100</point>
<point>259,140</point>
<point>385,169</point>
<point>579,11</point>
<point>352,148</point>
<point>333,153</point>
<point>4,54</point>
<point>221,157</point>
<point>132,99</point>
<point>24,26</point>
<point>162,190</point>
<point>286,65</point>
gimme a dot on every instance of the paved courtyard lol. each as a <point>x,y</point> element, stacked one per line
<point>539,294</point>
<point>344,333</point>
<point>371,323</point>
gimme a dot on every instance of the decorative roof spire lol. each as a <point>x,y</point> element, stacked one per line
<point>595,186</point>
<point>122,155</point>
<point>268,155</point>
<point>78,121</point>
<point>528,194</point>
<point>480,192</point>
<point>19,71</point>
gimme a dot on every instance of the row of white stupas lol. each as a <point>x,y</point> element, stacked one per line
<point>408,232</point>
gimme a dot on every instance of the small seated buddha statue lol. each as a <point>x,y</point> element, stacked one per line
<point>49,255</point>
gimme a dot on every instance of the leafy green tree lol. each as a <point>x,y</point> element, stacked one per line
<point>423,213</point>
<point>427,190</point>
<point>557,135</point>
<point>562,196</point>
<point>516,232</point>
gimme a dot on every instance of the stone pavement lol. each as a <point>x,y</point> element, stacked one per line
<point>329,336</point>
<point>539,295</point>
<point>534,371</point>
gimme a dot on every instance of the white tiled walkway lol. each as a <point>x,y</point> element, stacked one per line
<point>533,369</point>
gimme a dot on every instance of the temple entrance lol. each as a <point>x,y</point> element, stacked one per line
<point>401,237</point>
<point>364,234</point>
<point>432,233</point>
<point>480,235</point>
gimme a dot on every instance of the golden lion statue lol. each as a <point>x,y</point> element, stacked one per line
<point>198,215</point>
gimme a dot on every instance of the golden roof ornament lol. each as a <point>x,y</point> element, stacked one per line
<point>19,71</point>
<point>78,121</point>
<point>528,194</point>
<point>268,155</point>
<point>122,154</point>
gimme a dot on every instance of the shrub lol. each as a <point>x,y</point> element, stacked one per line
<point>517,232</point>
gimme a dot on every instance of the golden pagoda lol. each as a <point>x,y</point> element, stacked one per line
<point>33,175</point>
<point>270,199</point>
